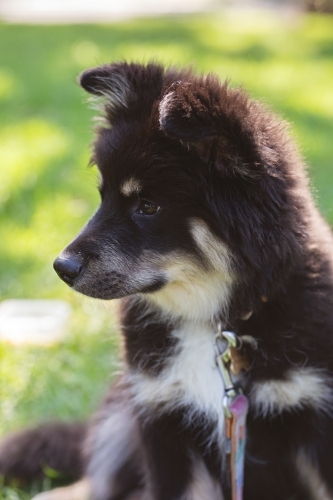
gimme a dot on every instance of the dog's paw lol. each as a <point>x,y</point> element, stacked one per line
<point>77,491</point>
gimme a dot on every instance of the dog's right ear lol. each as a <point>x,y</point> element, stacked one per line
<point>110,81</point>
<point>124,87</point>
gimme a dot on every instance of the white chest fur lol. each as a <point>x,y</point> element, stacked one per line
<point>189,379</point>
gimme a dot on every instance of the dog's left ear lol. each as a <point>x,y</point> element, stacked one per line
<point>223,126</point>
<point>190,111</point>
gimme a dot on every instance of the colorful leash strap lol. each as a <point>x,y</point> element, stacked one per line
<point>235,406</point>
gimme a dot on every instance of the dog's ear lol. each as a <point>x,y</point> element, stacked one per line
<point>125,87</point>
<point>188,112</point>
<point>110,81</point>
<point>222,125</point>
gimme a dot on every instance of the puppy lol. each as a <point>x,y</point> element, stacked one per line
<point>206,218</point>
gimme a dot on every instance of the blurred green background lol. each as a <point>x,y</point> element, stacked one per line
<point>47,192</point>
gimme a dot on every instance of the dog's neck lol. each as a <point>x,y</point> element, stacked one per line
<point>195,301</point>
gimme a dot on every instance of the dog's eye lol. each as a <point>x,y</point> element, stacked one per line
<point>148,208</point>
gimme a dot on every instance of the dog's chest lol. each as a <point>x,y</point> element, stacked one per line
<point>189,377</point>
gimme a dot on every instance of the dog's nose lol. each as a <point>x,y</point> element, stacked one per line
<point>68,268</point>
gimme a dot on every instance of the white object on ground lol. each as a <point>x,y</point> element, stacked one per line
<point>25,321</point>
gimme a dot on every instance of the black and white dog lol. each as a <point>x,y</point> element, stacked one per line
<point>205,217</point>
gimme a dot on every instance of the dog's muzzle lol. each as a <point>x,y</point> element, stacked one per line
<point>68,268</point>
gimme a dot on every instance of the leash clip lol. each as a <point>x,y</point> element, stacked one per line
<point>223,341</point>
<point>235,407</point>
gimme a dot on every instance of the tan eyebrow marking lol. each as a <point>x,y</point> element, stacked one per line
<point>130,186</point>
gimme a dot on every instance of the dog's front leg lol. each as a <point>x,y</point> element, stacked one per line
<point>181,464</point>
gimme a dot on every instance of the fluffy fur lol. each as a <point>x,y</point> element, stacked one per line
<point>205,216</point>
<point>57,445</point>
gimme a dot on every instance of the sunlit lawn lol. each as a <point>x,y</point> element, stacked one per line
<point>47,191</point>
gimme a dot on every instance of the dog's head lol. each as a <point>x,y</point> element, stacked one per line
<point>197,189</point>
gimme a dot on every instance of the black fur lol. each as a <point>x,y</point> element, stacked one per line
<point>199,150</point>
<point>27,454</point>
<point>149,342</point>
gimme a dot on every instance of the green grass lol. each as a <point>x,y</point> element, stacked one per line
<point>47,192</point>
<point>64,380</point>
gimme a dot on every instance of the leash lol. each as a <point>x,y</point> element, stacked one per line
<point>235,403</point>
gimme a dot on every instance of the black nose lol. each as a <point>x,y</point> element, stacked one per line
<point>68,268</point>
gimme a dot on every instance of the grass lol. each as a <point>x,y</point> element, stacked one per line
<point>47,192</point>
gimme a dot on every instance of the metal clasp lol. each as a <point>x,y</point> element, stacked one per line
<point>235,407</point>
<point>223,341</point>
